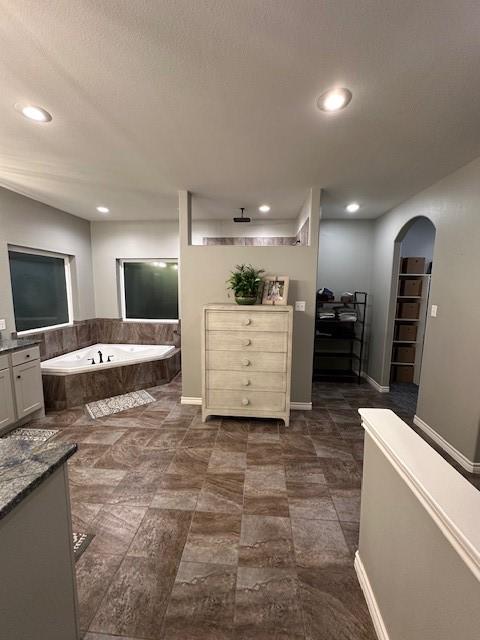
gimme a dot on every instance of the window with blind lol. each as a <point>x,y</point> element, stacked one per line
<point>149,289</point>
<point>40,290</point>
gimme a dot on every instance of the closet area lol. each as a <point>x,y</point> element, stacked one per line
<point>414,263</point>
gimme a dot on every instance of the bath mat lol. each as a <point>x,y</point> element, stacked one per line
<point>80,543</point>
<point>33,435</point>
<point>107,407</point>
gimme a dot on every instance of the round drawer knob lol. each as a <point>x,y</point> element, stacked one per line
<point>245,362</point>
<point>27,356</point>
<point>247,342</point>
<point>247,321</point>
<point>245,401</point>
<point>246,382</point>
<point>19,377</point>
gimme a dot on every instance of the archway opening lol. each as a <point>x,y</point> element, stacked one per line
<point>409,308</point>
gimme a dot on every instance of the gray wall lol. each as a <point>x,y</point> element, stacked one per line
<point>28,223</point>
<point>114,240</point>
<point>345,255</point>
<point>449,401</point>
<point>203,271</point>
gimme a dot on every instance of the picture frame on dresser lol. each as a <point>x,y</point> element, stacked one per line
<point>275,290</point>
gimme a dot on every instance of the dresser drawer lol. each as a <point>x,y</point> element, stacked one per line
<point>251,380</point>
<point>238,361</point>
<point>247,400</point>
<point>246,321</point>
<point>247,341</point>
<point>25,355</point>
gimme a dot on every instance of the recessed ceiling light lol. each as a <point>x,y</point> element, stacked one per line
<point>264,208</point>
<point>334,100</point>
<point>34,113</point>
<point>102,209</point>
<point>353,207</point>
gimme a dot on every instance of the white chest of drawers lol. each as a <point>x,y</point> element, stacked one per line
<point>246,361</point>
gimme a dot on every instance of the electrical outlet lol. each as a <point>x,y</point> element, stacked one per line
<point>300,305</point>
<point>433,312</point>
<point>3,325</point>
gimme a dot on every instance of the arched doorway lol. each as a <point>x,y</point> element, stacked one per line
<point>409,306</point>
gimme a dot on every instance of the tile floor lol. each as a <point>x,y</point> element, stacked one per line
<point>233,529</point>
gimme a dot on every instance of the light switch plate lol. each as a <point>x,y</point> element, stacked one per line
<point>3,325</point>
<point>300,305</point>
<point>433,312</point>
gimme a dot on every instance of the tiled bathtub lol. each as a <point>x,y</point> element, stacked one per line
<point>64,390</point>
<point>78,388</point>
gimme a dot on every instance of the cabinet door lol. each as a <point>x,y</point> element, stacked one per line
<point>28,388</point>
<point>7,406</point>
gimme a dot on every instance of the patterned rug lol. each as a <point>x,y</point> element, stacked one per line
<point>80,543</point>
<point>33,435</point>
<point>107,407</point>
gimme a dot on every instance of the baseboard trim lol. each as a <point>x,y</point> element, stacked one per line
<point>294,406</point>
<point>301,406</point>
<point>372,604</point>
<point>378,387</point>
<point>190,400</point>
<point>458,456</point>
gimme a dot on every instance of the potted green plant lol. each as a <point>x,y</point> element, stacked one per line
<point>245,282</point>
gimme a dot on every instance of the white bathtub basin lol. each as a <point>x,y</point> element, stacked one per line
<point>121,354</point>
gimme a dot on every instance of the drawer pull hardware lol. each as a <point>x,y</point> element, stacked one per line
<point>245,362</point>
<point>247,321</point>
<point>247,342</point>
<point>245,401</point>
<point>27,355</point>
<point>246,382</point>
<point>19,377</point>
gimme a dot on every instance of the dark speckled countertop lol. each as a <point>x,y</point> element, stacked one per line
<point>17,343</point>
<point>24,465</point>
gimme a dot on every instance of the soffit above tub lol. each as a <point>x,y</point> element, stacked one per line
<point>219,97</point>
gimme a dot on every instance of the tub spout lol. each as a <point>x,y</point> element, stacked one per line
<point>101,357</point>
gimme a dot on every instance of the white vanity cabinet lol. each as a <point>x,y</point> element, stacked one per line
<point>7,403</point>
<point>247,355</point>
<point>21,390</point>
<point>27,379</point>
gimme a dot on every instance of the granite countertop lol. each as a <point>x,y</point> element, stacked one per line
<point>14,344</point>
<point>24,465</point>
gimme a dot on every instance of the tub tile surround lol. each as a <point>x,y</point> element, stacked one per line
<point>84,333</point>
<point>252,519</point>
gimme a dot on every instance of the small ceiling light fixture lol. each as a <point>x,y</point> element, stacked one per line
<point>264,208</point>
<point>334,100</point>
<point>353,207</point>
<point>38,114</point>
<point>160,264</point>
<point>102,209</point>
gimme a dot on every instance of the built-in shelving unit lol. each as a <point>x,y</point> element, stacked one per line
<point>339,344</point>
<point>408,336</point>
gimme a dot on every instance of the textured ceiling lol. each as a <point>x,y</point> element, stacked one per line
<point>218,96</point>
